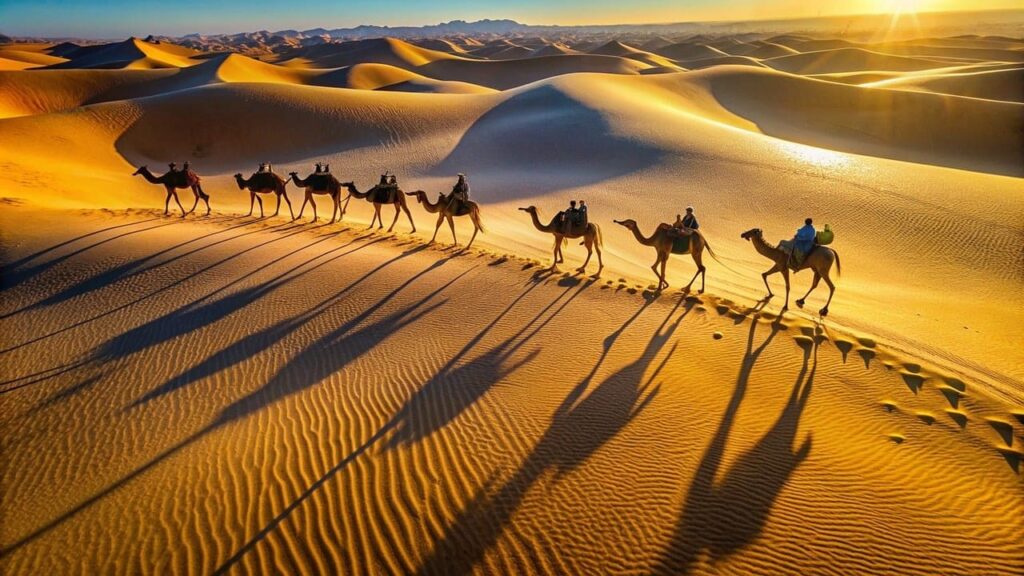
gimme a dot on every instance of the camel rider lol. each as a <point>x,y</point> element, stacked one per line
<point>690,221</point>
<point>460,191</point>
<point>173,166</point>
<point>190,176</point>
<point>569,217</point>
<point>327,168</point>
<point>581,218</point>
<point>383,179</point>
<point>319,168</point>
<point>803,242</point>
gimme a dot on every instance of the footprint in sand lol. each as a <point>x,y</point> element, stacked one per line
<point>897,438</point>
<point>890,406</point>
<point>1003,428</point>
<point>958,416</point>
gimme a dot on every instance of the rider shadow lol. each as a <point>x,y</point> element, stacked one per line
<point>255,343</point>
<point>12,278</point>
<point>724,517</point>
<point>135,267</point>
<point>329,354</point>
<point>576,136</point>
<point>580,427</point>
<point>194,316</point>
<point>457,386</point>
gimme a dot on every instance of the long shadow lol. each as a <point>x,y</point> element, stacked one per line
<point>582,424</point>
<point>335,350</point>
<point>30,257</point>
<point>133,268</point>
<point>403,423</point>
<point>197,315</point>
<point>457,386</point>
<point>289,233</point>
<point>13,278</point>
<point>722,518</point>
<point>255,343</point>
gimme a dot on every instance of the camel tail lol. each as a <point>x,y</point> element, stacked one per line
<point>202,194</point>
<point>839,268</point>
<point>477,220</point>
<point>708,246</point>
<point>599,238</point>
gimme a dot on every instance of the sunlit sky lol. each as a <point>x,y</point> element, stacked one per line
<point>119,18</point>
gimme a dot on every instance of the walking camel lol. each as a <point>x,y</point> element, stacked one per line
<point>319,183</point>
<point>173,180</point>
<point>666,244</point>
<point>447,210</point>
<point>264,183</point>
<point>379,195</point>
<point>819,259</point>
<point>591,235</point>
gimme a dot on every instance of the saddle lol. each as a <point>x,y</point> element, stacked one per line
<point>383,194</point>
<point>459,207</point>
<point>322,181</point>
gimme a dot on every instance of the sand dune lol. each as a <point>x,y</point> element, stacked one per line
<point>132,53</point>
<point>30,58</point>
<point>988,84</point>
<point>831,61</point>
<point>229,393</point>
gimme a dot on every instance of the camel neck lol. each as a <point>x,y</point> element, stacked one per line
<point>640,237</point>
<point>764,248</point>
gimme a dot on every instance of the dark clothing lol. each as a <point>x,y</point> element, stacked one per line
<point>581,216</point>
<point>461,190</point>
<point>690,221</point>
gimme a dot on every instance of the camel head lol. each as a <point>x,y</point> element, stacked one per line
<point>293,174</point>
<point>240,181</point>
<point>140,170</point>
<point>530,209</point>
<point>752,233</point>
<point>419,194</point>
<point>628,223</point>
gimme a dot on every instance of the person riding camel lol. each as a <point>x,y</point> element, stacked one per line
<point>327,168</point>
<point>803,242</point>
<point>569,217</point>
<point>173,166</point>
<point>460,191</point>
<point>581,219</point>
<point>319,168</point>
<point>190,176</point>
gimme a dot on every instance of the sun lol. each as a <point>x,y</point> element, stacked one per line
<point>900,7</point>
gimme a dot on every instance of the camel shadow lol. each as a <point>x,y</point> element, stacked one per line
<point>13,277</point>
<point>575,131</point>
<point>581,425</point>
<point>131,268</point>
<point>30,257</point>
<point>457,386</point>
<point>253,344</point>
<point>197,315</point>
<point>328,354</point>
<point>724,517</point>
<point>289,233</point>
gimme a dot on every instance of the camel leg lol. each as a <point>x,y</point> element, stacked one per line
<point>785,276</point>
<point>345,207</point>
<point>204,196</point>
<point>195,194</point>
<point>278,209</point>
<point>252,202</point>
<point>654,268</point>
<point>312,202</point>
<point>259,201</point>
<point>178,202</point>
<point>289,202</point>
<point>167,204</point>
<point>814,284</point>
<point>303,207</point>
<point>664,279</point>
<point>473,237</point>
<point>600,261</point>
<point>554,255</point>
<point>589,243</point>
<point>440,219</point>
<point>334,207</point>
<point>398,210</point>
<point>411,223</point>
<point>451,224</point>
<point>764,278</point>
<point>700,271</point>
<point>831,291</point>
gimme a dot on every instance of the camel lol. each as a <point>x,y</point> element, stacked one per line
<point>264,183</point>
<point>173,180</point>
<point>378,196</point>
<point>818,259</point>
<point>319,183</point>
<point>591,239</point>
<point>665,245</point>
<point>445,211</point>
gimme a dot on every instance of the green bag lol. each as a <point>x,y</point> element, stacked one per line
<point>825,236</point>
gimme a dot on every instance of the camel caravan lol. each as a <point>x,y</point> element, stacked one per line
<point>807,250</point>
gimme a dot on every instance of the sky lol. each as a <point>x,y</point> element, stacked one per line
<point>121,18</point>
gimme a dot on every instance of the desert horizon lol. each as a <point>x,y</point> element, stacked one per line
<point>316,301</point>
